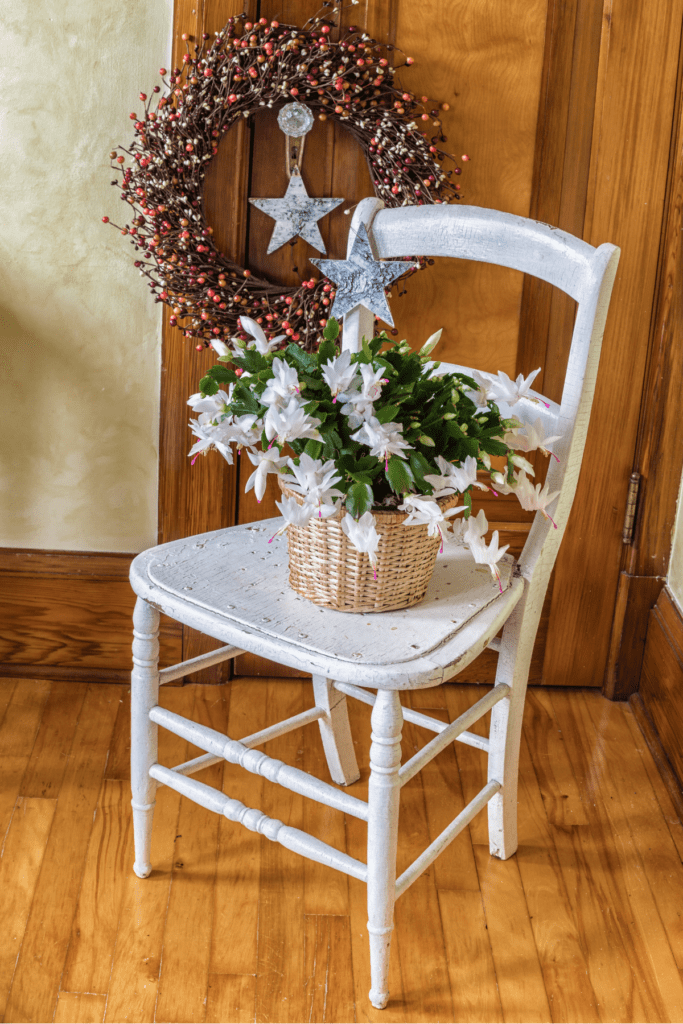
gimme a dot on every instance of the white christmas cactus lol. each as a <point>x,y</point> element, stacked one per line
<point>380,428</point>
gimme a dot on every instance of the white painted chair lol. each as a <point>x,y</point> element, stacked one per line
<point>232,585</point>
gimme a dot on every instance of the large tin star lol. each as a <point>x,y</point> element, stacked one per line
<point>361,279</point>
<point>296,214</point>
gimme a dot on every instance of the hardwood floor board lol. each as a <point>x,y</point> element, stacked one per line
<point>642,979</point>
<point>107,863</point>
<point>234,949</point>
<point>471,762</point>
<point>7,688</point>
<point>561,796</point>
<point>118,763</point>
<point>133,987</point>
<point>666,806</point>
<point>19,869</point>
<point>35,987</point>
<point>469,959</point>
<point>12,770</point>
<point>561,955</point>
<point>231,998</point>
<point>426,985</point>
<point>326,891</point>
<point>80,1008</point>
<point>652,840</point>
<point>455,867</point>
<point>520,979</point>
<point>281,972</point>
<point>22,717</point>
<point>431,698</point>
<point>52,746</point>
<point>184,974</point>
<point>329,983</point>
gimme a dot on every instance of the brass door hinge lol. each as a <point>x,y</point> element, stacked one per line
<point>631,505</point>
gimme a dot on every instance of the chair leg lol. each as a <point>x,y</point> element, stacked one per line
<point>505,734</point>
<point>143,749</point>
<point>336,732</point>
<point>383,798</point>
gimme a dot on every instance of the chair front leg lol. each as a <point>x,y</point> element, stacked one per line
<point>143,748</point>
<point>383,799</point>
<point>335,732</point>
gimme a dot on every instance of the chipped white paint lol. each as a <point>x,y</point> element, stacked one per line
<point>232,585</point>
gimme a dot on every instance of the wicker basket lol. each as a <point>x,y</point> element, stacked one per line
<point>325,567</point>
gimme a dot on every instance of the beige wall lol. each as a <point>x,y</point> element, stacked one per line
<point>79,338</point>
<point>675,578</point>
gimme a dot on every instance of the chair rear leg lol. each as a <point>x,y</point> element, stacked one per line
<point>383,799</point>
<point>143,749</point>
<point>505,734</point>
<point>335,731</point>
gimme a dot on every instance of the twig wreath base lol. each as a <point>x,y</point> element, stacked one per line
<point>246,67</point>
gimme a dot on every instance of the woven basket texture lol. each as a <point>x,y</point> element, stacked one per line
<point>325,567</point>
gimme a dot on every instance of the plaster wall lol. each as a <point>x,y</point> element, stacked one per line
<point>80,339</point>
<point>675,578</point>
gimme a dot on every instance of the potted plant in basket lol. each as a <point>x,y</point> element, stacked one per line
<point>376,453</point>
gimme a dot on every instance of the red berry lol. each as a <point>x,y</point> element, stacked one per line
<point>105,220</point>
<point>162,71</point>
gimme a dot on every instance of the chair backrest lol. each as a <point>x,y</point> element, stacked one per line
<point>568,263</point>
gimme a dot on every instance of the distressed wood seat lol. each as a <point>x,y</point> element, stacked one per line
<point>232,585</point>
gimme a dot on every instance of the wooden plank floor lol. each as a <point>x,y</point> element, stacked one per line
<point>585,923</point>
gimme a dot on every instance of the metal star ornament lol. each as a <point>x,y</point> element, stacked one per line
<point>361,280</point>
<point>296,214</point>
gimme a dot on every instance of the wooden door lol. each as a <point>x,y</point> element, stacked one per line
<point>566,110</point>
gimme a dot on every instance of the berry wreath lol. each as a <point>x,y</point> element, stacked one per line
<point>246,67</point>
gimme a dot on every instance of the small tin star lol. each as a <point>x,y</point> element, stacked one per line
<point>296,214</point>
<point>361,280</point>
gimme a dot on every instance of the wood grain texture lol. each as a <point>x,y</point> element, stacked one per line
<point>80,1008</point>
<point>22,857</point>
<point>67,616</point>
<point>43,952</point>
<point>95,924</point>
<point>184,966</point>
<point>661,681</point>
<point>231,997</point>
<point>134,985</point>
<point>636,91</point>
<point>636,596</point>
<point>582,925</point>
<point>659,451</point>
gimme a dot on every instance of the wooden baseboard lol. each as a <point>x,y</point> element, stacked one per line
<point>68,615</point>
<point>661,680</point>
<point>664,766</point>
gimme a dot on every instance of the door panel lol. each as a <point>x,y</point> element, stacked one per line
<point>542,96</point>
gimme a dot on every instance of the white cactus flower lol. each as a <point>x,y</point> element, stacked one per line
<point>290,423</point>
<point>339,374</point>
<point>454,479</point>
<point>532,439</point>
<point>534,498</point>
<point>384,439</point>
<point>266,462</point>
<point>283,386</point>
<point>214,405</point>
<point>509,391</point>
<point>315,480</point>
<point>363,535</point>
<point>260,342</point>
<point>293,514</point>
<point>425,510</point>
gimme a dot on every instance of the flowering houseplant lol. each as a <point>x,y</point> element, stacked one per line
<point>381,429</point>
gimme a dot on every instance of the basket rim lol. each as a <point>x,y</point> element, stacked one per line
<point>387,515</point>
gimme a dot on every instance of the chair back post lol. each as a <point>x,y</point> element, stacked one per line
<point>359,322</point>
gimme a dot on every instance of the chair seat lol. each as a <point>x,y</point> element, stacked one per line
<point>233,585</point>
